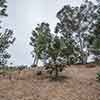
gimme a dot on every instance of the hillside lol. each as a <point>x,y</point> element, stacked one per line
<point>78,83</point>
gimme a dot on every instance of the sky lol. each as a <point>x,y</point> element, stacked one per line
<point>23,16</point>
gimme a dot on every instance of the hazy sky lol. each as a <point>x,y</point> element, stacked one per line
<point>23,16</point>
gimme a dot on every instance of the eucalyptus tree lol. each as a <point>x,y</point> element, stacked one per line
<point>40,40</point>
<point>55,58</point>
<point>3,8</point>
<point>75,22</point>
<point>60,53</point>
<point>98,1</point>
<point>70,50</point>
<point>95,37</point>
<point>6,38</point>
<point>48,47</point>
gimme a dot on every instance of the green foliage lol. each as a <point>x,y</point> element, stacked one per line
<point>40,40</point>
<point>95,38</point>
<point>72,35</point>
<point>54,69</point>
<point>98,76</point>
<point>6,39</point>
<point>3,7</point>
<point>74,24</point>
<point>55,57</point>
<point>52,48</point>
<point>4,70</point>
<point>21,67</point>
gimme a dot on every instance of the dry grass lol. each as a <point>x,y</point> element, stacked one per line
<point>78,83</point>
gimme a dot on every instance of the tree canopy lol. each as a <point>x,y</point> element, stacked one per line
<point>75,23</point>
<point>6,38</point>
<point>3,8</point>
<point>75,35</point>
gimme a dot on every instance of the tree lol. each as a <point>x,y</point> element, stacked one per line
<point>40,41</point>
<point>95,37</point>
<point>75,22</point>
<point>6,39</point>
<point>70,50</point>
<point>98,1</point>
<point>55,58</point>
<point>60,52</point>
<point>3,7</point>
<point>47,47</point>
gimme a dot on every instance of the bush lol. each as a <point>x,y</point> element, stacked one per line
<point>39,73</point>
<point>54,69</point>
<point>98,76</point>
<point>33,66</point>
<point>3,72</point>
<point>21,67</point>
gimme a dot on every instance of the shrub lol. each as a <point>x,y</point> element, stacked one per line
<point>33,66</point>
<point>54,69</point>
<point>21,67</point>
<point>98,76</point>
<point>3,73</point>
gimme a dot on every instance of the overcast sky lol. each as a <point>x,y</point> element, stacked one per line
<point>23,16</point>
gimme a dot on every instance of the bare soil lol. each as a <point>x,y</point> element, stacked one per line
<point>78,83</point>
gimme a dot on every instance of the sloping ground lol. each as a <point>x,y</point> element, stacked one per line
<point>79,84</point>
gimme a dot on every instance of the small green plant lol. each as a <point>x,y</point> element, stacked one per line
<point>98,76</point>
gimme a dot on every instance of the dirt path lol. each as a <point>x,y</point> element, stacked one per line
<point>80,84</point>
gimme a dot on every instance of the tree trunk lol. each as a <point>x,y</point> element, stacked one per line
<point>56,72</point>
<point>81,48</point>
<point>36,63</point>
<point>86,56</point>
<point>34,60</point>
<point>68,60</point>
<point>45,60</point>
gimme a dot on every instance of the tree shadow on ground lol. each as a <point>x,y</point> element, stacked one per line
<point>61,78</point>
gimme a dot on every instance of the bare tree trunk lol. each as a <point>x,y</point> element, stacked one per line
<point>87,54</point>
<point>45,60</point>
<point>35,62</point>
<point>81,48</point>
<point>56,72</point>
